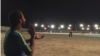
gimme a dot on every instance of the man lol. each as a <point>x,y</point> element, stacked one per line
<point>70,34</point>
<point>14,42</point>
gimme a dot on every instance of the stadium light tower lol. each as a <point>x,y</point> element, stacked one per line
<point>52,26</point>
<point>62,26</point>
<point>82,28</point>
<point>81,25</point>
<point>36,24</point>
<point>42,25</point>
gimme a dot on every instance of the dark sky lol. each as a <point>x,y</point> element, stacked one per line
<point>53,11</point>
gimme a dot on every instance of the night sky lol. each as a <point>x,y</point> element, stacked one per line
<point>53,11</point>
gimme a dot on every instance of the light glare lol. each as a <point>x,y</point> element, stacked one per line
<point>81,25</point>
<point>87,28</point>
<point>36,24</point>
<point>52,26</point>
<point>58,27</point>
<point>68,27</point>
<point>97,28</point>
<point>96,25</point>
<point>45,28</point>
<point>42,25</point>
<point>88,25</point>
<point>62,26</point>
<point>82,28</point>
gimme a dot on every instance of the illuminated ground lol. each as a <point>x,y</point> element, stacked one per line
<point>62,45</point>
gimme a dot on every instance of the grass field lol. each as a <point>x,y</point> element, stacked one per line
<point>62,45</point>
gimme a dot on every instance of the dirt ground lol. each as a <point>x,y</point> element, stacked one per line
<point>62,45</point>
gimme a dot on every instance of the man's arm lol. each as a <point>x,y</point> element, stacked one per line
<point>32,44</point>
<point>28,40</point>
<point>22,45</point>
<point>31,31</point>
<point>38,36</point>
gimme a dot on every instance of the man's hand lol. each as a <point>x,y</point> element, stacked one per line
<point>38,36</point>
<point>31,30</point>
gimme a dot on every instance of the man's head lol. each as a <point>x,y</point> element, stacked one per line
<point>16,17</point>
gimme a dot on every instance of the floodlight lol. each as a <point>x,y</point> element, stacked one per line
<point>81,25</point>
<point>88,25</point>
<point>88,29</point>
<point>36,24</point>
<point>52,26</point>
<point>42,25</point>
<point>96,28</point>
<point>96,25</point>
<point>82,28</point>
<point>62,26</point>
<point>45,28</point>
<point>58,27</point>
<point>68,27</point>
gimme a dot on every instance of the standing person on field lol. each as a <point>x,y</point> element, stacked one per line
<point>14,42</point>
<point>70,33</point>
